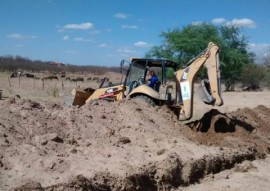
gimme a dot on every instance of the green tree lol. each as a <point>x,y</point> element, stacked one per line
<point>181,45</point>
<point>234,55</point>
<point>266,63</point>
<point>266,60</point>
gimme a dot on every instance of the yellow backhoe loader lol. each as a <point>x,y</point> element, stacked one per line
<point>177,94</point>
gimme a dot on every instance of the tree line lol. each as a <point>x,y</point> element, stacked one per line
<point>18,63</point>
<point>237,63</point>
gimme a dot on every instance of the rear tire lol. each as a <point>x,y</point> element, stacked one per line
<point>146,99</point>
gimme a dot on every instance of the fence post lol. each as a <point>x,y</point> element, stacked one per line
<point>9,81</point>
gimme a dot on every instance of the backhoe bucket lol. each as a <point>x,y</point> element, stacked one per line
<point>204,92</point>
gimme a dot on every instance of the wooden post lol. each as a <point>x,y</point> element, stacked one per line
<point>9,82</point>
<point>62,85</point>
<point>43,84</point>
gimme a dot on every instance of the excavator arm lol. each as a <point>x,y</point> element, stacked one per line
<point>209,58</point>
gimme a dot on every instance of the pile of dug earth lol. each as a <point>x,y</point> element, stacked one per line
<point>125,145</point>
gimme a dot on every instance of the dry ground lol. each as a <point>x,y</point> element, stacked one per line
<point>49,90</point>
<point>128,145</point>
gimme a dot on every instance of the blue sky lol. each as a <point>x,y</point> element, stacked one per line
<point>102,32</point>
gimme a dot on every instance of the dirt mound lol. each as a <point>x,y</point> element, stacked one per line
<point>244,129</point>
<point>125,145</point>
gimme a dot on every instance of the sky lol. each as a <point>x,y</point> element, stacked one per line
<point>103,32</point>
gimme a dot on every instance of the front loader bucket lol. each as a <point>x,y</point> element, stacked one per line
<point>82,96</point>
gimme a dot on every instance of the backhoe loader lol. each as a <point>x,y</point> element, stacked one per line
<point>177,94</point>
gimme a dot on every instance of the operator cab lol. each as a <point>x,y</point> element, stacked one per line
<point>137,73</point>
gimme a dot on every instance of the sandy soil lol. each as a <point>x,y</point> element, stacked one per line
<point>128,145</point>
<point>249,175</point>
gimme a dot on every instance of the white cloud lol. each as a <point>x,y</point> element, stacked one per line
<point>94,32</point>
<point>142,44</point>
<point>219,21</point>
<point>78,39</point>
<point>235,22</point>
<point>18,45</point>
<point>66,37</point>
<point>129,26</point>
<point>260,49</point>
<point>197,23</point>
<point>243,23</point>
<point>49,2</point>
<point>20,36</point>
<point>16,36</point>
<point>110,55</point>
<point>73,52</point>
<point>125,50</point>
<point>103,45</point>
<point>60,30</point>
<point>81,39</point>
<point>81,26</point>
<point>121,16</point>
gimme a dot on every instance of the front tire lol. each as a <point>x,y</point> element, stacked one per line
<point>146,99</point>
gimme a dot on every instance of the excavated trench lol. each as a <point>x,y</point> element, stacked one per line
<point>242,129</point>
<point>154,177</point>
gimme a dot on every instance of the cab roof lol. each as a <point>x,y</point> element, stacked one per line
<point>155,62</point>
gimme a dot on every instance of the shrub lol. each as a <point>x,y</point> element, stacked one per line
<point>252,76</point>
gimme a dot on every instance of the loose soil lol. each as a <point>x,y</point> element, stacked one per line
<point>125,145</point>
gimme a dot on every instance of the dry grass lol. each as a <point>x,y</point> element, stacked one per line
<point>49,90</point>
